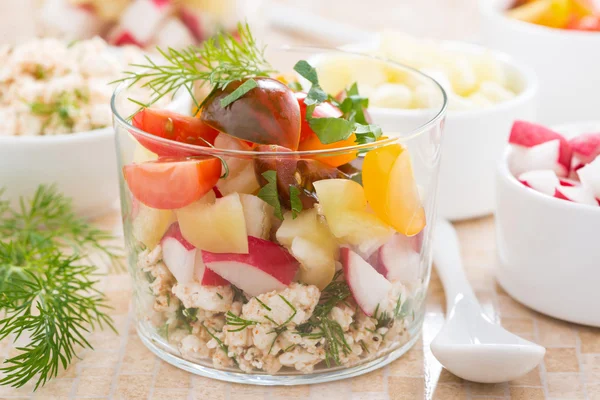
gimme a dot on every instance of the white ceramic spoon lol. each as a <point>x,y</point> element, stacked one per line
<point>470,345</point>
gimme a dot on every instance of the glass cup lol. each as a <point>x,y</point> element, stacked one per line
<point>224,288</point>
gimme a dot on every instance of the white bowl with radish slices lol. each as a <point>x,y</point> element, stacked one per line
<point>547,220</point>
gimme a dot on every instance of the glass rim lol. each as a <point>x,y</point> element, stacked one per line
<point>439,115</point>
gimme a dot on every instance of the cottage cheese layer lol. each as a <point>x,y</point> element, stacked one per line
<point>271,331</point>
<point>50,87</point>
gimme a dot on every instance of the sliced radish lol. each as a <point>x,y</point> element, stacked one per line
<point>185,261</point>
<point>590,177</point>
<point>82,22</point>
<point>265,268</point>
<point>576,194</point>
<point>142,19</point>
<point>173,33</point>
<point>178,255</point>
<point>193,20</point>
<point>527,134</point>
<point>586,148</point>
<point>544,181</point>
<point>542,156</point>
<point>369,288</point>
<point>398,259</point>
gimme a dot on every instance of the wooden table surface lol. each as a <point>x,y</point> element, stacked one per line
<point>121,367</point>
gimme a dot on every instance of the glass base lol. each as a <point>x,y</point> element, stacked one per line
<point>163,350</point>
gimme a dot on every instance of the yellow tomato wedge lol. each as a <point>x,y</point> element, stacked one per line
<point>313,143</point>
<point>391,190</point>
<point>550,13</point>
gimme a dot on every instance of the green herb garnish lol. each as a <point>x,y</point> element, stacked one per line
<point>63,109</point>
<point>239,92</point>
<point>221,60</point>
<point>268,193</point>
<point>296,203</point>
<point>322,326</point>
<point>329,129</point>
<point>235,320</point>
<point>44,293</point>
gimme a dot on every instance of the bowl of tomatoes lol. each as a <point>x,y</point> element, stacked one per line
<point>560,40</point>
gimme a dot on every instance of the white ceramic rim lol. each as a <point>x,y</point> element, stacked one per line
<point>493,9</point>
<point>525,72</point>
<point>405,136</point>
<point>60,138</point>
<point>534,195</point>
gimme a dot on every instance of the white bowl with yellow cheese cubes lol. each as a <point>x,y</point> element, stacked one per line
<point>486,91</point>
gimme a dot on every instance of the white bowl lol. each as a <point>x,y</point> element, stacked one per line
<point>82,165</point>
<point>567,62</point>
<point>473,140</point>
<point>548,253</point>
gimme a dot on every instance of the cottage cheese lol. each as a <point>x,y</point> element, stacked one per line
<point>272,342</point>
<point>48,87</point>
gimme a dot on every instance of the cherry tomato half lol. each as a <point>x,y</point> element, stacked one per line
<point>321,111</point>
<point>173,126</point>
<point>168,184</point>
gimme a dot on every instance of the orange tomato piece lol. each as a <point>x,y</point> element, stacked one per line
<point>313,143</point>
<point>391,190</point>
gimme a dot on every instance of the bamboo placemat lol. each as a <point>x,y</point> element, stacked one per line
<point>121,367</point>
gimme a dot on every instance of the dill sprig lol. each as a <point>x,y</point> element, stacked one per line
<point>322,326</point>
<point>48,220</point>
<point>234,320</point>
<point>63,109</point>
<point>45,294</point>
<point>221,60</point>
<point>53,299</point>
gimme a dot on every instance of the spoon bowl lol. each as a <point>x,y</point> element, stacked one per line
<point>469,344</point>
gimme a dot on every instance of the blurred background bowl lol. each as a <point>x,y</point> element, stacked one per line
<point>82,165</point>
<point>474,140</point>
<point>547,247</point>
<point>565,61</point>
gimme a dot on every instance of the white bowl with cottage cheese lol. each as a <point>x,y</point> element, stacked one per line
<point>56,122</point>
<point>486,90</point>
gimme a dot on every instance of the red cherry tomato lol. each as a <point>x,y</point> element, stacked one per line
<point>169,184</point>
<point>172,126</point>
<point>323,110</point>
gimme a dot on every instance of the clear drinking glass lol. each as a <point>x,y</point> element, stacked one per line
<point>335,292</point>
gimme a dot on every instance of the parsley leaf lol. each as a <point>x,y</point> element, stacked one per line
<point>268,193</point>
<point>367,133</point>
<point>307,71</point>
<point>296,203</point>
<point>354,105</point>
<point>239,92</point>
<point>331,130</point>
<point>295,86</point>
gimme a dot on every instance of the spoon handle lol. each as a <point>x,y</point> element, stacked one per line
<point>446,257</point>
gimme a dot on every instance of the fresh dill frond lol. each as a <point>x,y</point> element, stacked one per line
<point>52,298</point>
<point>238,294</point>
<point>234,320</point>
<point>187,316</point>
<point>321,326</point>
<point>222,59</point>
<point>48,285</point>
<point>63,109</point>
<point>48,220</point>
<point>222,345</point>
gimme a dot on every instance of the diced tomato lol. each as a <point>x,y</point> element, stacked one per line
<point>323,110</point>
<point>168,184</point>
<point>588,23</point>
<point>173,126</point>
